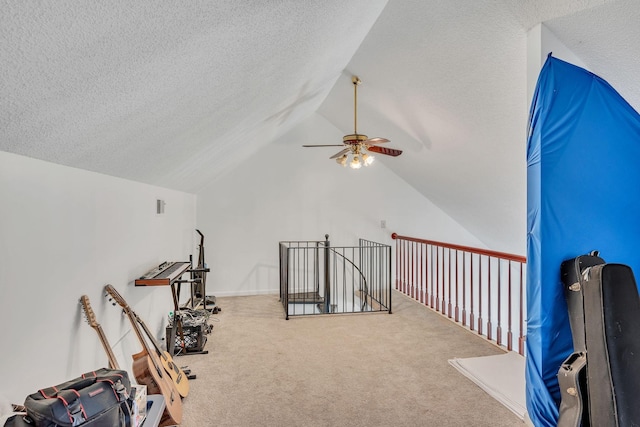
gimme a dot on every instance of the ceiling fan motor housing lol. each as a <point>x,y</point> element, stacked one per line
<point>354,139</point>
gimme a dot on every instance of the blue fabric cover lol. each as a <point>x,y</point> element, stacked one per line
<point>583,194</point>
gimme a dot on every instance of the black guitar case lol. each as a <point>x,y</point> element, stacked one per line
<point>572,376</point>
<point>600,381</point>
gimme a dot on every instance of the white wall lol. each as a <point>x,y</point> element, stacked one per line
<point>286,192</point>
<point>66,232</point>
<point>540,42</point>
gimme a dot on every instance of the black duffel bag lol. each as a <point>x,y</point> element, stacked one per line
<point>98,398</point>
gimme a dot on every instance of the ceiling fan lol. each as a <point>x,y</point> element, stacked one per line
<point>358,146</point>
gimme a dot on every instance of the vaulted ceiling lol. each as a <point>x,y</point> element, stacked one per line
<point>176,94</point>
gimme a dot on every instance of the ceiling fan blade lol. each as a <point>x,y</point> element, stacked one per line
<point>376,141</point>
<point>345,151</point>
<point>328,145</point>
<point>384,150</point>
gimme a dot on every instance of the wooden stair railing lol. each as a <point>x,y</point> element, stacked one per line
<point>480,289</point>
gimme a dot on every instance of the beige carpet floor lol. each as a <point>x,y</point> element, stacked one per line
<point>348,370</point>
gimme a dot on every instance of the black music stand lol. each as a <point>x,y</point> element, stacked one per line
<point>199,295</point>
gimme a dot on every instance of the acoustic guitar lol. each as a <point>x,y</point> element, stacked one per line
<point>148,369</point>
<point>179,378</point>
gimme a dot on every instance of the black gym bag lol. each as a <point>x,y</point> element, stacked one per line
<point>98,398</point>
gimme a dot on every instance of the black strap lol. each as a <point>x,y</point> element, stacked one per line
<point>71,400</point>
<point>125,403</point>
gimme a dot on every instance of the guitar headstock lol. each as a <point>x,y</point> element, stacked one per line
<point>88,311</point>
<point>111,291</point>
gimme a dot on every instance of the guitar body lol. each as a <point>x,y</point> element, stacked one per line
<point>145,373</point>
<point>179,378</point>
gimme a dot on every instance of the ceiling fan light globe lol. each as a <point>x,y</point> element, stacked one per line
<point>367,159</point>
<point>355,163</point>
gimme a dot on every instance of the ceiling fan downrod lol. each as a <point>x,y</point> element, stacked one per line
<point>355,137</point>
<point>356,81</point>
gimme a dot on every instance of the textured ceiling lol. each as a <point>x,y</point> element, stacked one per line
<point>176,94</point>
<point>166,92</point>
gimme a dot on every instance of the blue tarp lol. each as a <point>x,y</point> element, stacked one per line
<point>583,194</point>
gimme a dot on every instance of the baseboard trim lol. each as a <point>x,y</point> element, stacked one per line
<point>246,293</point>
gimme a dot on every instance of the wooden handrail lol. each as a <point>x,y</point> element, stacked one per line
<point>483,285</point>
<point>504,255</point>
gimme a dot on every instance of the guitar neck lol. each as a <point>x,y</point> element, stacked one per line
<point>143,342</point>
<point>134,325</point>
<point>148,333</point>
<point>113,363</point>
<point>91,319</point>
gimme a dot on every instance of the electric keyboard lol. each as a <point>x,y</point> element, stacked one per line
<point>164,274</point>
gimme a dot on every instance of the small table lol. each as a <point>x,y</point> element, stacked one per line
<point>155,408</point>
